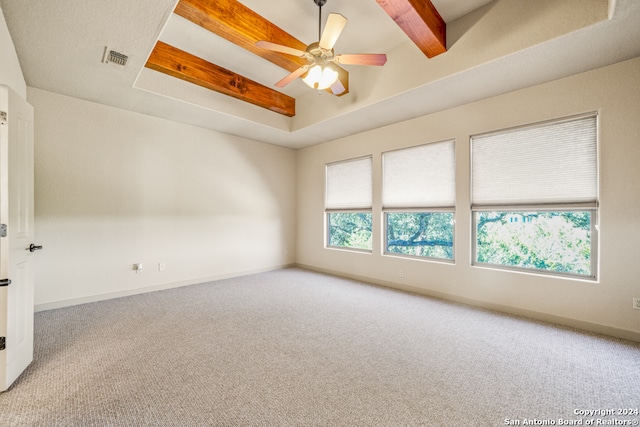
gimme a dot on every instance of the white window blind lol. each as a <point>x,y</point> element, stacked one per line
<point>349,184</point>
<point>541,164</point>
<point>419,177</point>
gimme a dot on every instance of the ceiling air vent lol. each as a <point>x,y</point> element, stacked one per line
<point>114,57</point>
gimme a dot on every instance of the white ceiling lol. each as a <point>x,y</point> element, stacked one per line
<point>493,47</point>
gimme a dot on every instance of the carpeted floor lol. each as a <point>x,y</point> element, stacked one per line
<point>297,348</point>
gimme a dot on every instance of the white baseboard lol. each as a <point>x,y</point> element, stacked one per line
<point>125,293</point>
<point>558,320</point>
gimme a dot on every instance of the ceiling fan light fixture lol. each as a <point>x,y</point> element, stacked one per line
<point>321,77</point>
<point>323,70</point>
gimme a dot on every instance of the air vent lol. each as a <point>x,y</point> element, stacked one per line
<point>114,57</point>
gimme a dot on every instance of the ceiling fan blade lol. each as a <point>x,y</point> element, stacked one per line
<point>332,29</point>
<point>291,77</point>
<point>279,48</point>
<point>377,59</point>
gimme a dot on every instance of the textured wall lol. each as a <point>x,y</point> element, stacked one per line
<point>114,188</point>
<point>605,306</point>
<point>10,71</point>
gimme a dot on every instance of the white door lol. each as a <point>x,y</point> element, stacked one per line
<point>16,260</point>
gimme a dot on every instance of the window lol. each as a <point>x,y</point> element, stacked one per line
<point>422,234</point>
<point>534,197</point>
<point>348,204</point>
<point>418,197</point>
<point>556,241</point>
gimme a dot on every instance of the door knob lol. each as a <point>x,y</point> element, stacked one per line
<point>33,248</point>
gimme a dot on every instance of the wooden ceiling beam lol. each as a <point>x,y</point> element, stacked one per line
<point>235,22</point>
<point>177,63</point>
<point>240,25</point>
<point>420,20</point>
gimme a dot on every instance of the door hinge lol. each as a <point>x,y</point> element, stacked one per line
<point>3,117</point>
<point>3,230</point>
<point>5,282</point>
<point>3,342</point>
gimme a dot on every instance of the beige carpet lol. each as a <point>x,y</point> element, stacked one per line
<point>296,348</point>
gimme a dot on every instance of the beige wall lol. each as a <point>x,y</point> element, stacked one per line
<point>605,306</point>
<point>114,188</point>
<point>10,71</point>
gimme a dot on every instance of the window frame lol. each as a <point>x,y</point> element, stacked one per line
<point>594,230</point>
<point>356,209</point>
<point>420,209</point>
<point>327,233</point>
<point>593,207</point>
<point>385,239</point>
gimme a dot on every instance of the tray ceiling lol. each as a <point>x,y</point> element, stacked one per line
<point>492,47</point>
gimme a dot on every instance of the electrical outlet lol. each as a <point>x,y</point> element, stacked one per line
<point>636,303</point>
<point>401,273</point>
<point>162,266</point>
<point>137,268</point>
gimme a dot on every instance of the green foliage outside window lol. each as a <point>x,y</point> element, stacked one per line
<point>423,234</point>
<point>550,241</point>
<point>558,242</point>
<point>350,230</point>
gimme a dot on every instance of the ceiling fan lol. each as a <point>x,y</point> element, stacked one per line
<point>322,71</point>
